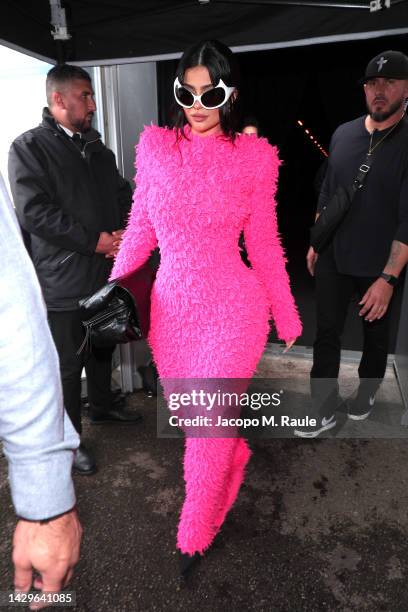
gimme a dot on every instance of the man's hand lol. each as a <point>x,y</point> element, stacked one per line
<point>376,300</point>
<point>105,243</point>
<point>108,244</point>
<point>311,259</point>
<point>50,548</point>
<point>117,235</point>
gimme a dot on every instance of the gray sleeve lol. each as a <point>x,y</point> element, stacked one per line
<point>38,437</point>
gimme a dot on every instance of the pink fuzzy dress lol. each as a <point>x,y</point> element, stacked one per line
<point>210,313</point>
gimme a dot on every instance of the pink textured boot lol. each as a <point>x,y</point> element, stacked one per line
<point>234,481</point>
<point>207,464</point>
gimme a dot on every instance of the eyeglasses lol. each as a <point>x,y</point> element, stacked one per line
<point>213,98</point>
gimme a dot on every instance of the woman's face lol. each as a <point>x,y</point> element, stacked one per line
<point>202,120</point>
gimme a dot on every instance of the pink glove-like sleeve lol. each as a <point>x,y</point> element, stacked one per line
<point>264,246</point>
<point>139,238</point>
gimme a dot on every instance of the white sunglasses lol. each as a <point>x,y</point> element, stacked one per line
<point>213,98</point>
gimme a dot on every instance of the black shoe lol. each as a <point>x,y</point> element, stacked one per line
<point>150,378</point>
<point>118,401</point>
<point>115,415</point>
<point>312,431</point>
<point>187,562</point>
<point>84,461</point>
<point>361,409</point>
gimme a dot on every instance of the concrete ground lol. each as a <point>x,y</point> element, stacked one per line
<point>318,525</point>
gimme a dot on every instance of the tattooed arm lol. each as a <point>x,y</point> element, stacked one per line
<point>377,297</point>
<point>398,258</point>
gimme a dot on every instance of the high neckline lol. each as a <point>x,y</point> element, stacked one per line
<point>192,136</point>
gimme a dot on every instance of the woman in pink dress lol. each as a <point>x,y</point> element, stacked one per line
<point>198,186</point>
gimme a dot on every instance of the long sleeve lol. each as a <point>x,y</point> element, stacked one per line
<point>139,238</point>
<point>38,437</point>
<point>36,210</point>
<point>264,246</point>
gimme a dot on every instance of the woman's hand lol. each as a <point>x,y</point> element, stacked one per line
<point>311,259</point>
<point>289,344</point>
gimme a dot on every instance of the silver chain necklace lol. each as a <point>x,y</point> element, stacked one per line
<point>372,148</point>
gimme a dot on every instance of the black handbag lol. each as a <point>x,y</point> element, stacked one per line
<point>119,312</point>
<point>332,215</point>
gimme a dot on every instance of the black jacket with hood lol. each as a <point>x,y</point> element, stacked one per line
<point>64,199</point>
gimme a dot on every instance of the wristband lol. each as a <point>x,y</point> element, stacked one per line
<point>389,278</point>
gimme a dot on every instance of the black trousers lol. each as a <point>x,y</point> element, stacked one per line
<point>68,333</point>
<point>333,294</point>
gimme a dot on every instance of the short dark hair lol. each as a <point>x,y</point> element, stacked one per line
<point>62,74</point>
<point>253,121</point>
<point>221,64</point>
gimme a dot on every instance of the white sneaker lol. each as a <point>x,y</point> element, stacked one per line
<point>359,412</point>
<point>322,424</point>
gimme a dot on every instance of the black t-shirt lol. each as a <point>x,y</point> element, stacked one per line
<point>379,211</point>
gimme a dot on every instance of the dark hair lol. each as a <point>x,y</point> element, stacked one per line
<point>221,64</point>
<point>251,120</point>
<point>60,75</point>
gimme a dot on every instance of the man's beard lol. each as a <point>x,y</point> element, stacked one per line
<point>380,116</point>
<point>83,125</point>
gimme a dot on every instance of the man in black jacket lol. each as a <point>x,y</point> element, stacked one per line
<point>369,249</point>
<point>72,203</point>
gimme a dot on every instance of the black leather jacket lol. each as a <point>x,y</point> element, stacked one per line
<point>64,199</point>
